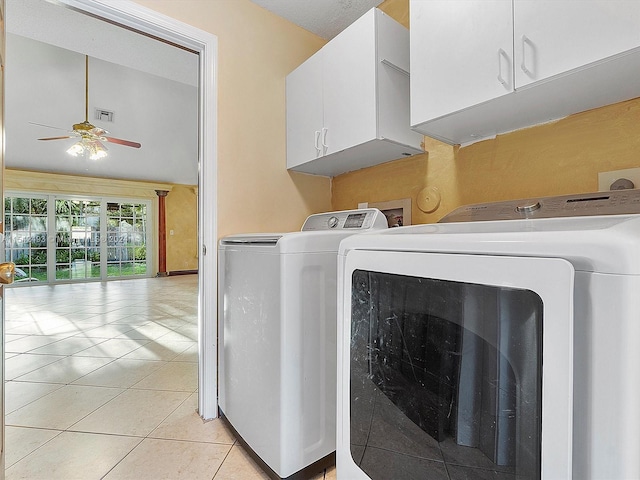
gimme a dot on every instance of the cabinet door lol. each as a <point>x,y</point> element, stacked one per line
<point>304,111</point>
<point>555,36</point>
<point>461,55</point>
<point>349,80</point>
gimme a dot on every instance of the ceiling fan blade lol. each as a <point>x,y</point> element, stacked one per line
<point>48,126</point>
<point>119,141</point>
<point>55,138</point>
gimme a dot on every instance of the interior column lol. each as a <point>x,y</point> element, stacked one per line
<point>162,234</point>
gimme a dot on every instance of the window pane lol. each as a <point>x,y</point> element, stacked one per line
<point>63,224</point>
<point>39,273</point>
<point>80,269</point>
<point>38,206</point>
<point>92,208</point>
<point>38,223</point>
<point>62,256</point>
<point>38,239</point>
<point>63,239</point>
<point>62,207</point>
<point>19,222</point>
<point>38,256</point>
<point>20,205</point>
<point>113,269</point>
<point>113,209</point>
<point>62,272</point>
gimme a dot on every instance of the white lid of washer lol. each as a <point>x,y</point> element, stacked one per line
<point>321,232</point>
<point>263,239</point>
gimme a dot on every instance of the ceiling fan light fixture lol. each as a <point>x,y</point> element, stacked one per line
<point>76,149</point>
<point>94,149</point>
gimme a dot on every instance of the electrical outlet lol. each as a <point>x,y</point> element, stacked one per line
<point>605,179</point>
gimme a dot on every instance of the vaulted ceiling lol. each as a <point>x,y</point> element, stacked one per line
<point>150,86</point>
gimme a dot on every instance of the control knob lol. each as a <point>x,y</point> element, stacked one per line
<point>332,222</point>
<point>528,207</point>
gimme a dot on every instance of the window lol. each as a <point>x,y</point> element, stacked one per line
<point>126,239</point>
<point>26,236</point>
<point>77,239</point>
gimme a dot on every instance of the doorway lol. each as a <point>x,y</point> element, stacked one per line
<point>145,21</point>
<point>134,17</point>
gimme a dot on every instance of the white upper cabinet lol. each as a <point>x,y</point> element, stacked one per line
<point>556,36</point>
<point>484,67</point>
<point>348,105</point>
<point>349,87</point>
<point>304,90</point>
<point>461,55</point>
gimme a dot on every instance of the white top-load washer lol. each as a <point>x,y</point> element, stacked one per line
<point>277,338</point>
<point>494,349</point>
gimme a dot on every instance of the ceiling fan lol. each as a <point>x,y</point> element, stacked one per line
<point>91,137</point>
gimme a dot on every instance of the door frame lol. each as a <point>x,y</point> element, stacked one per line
<point>142,19</point>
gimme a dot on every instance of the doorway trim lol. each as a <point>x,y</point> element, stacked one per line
<point>137,17</point>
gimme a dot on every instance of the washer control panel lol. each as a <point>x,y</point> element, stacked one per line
<point>615,202</point>
<point>363,219</point>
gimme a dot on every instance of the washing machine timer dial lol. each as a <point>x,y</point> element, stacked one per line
<point>332,222</point>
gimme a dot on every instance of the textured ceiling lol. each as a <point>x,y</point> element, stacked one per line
<point>325,18</point>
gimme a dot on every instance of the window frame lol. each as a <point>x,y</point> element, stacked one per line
<point>103,200</point>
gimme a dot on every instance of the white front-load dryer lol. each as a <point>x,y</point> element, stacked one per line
<point>501,343</point>
<point>277,339</point>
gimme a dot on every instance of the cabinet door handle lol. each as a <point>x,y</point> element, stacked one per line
<point>501,54</point>
<point>523,64</point>
<point>389,63</point>
<point>324,141</point>
<point>317,143</point>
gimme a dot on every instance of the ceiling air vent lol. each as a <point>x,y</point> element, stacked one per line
<point>104,115</point>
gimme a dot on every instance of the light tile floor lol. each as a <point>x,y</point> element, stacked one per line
<point>101,383</point>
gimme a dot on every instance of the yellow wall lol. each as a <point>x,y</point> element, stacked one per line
<point>256,51</point>
<point>397,9</point>
<point>181,215</point>
<point>552,159</point>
